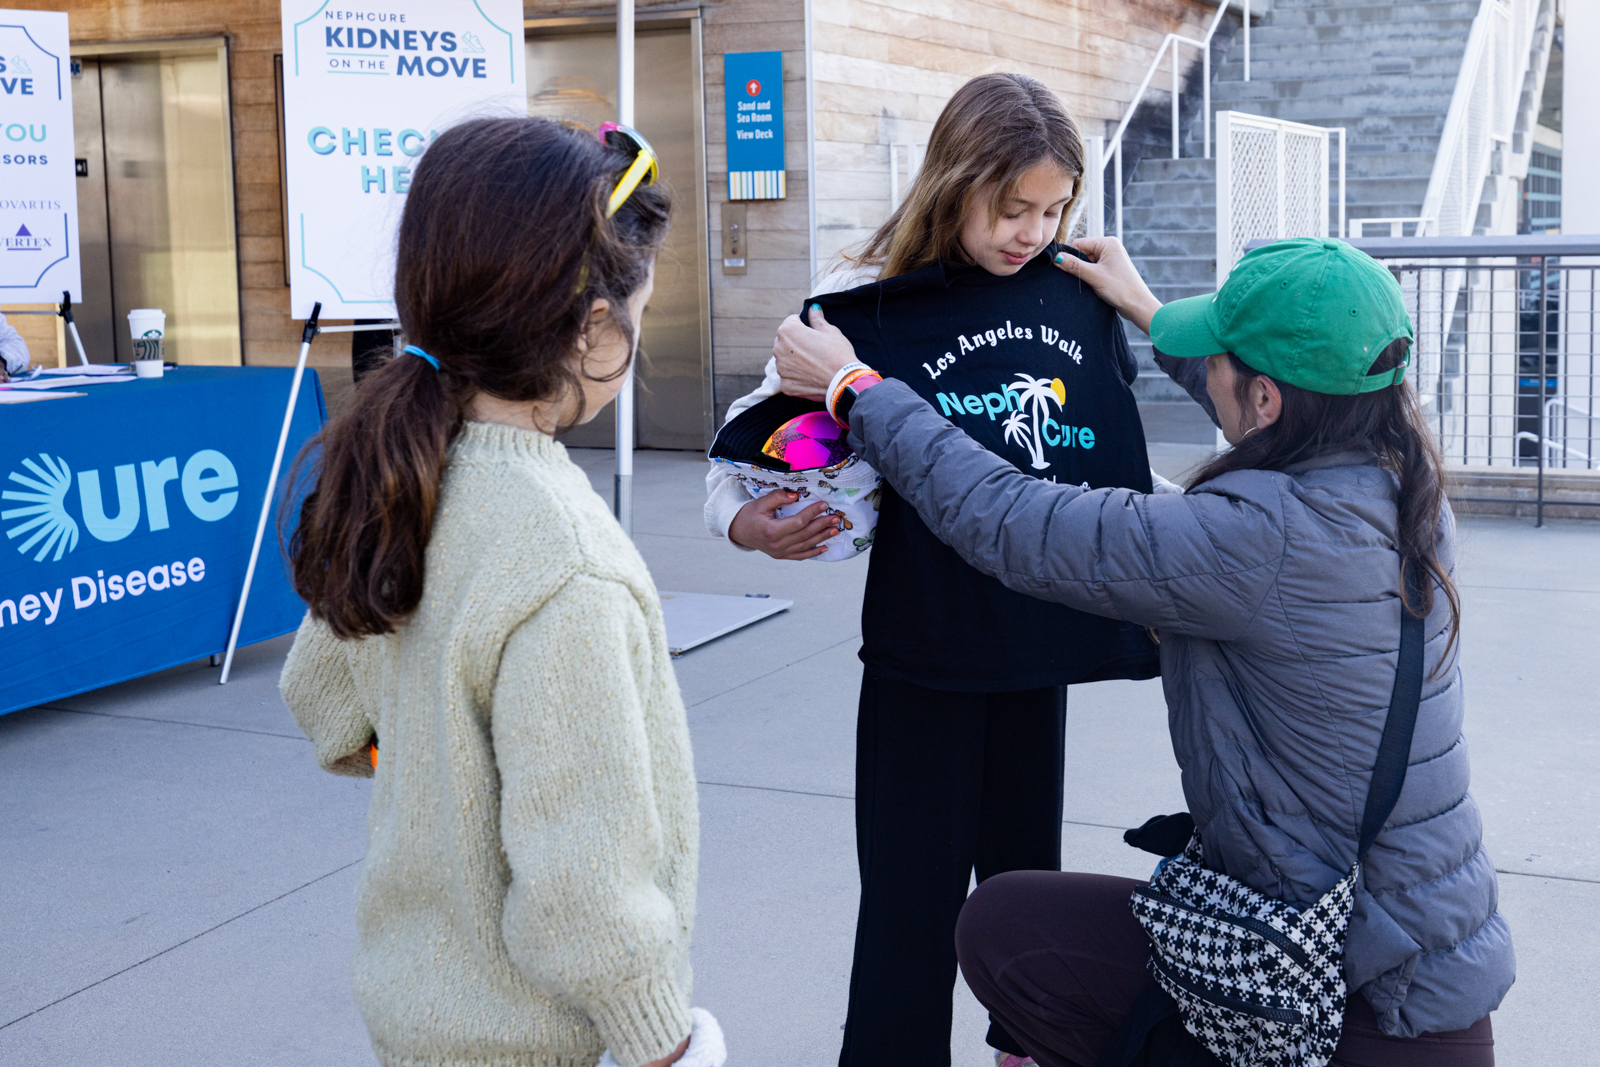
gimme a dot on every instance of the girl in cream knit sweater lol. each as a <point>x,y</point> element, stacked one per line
<point>478,616</point>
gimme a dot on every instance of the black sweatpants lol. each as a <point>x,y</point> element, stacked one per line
<point>945,783</point>
<point>1062,960</point>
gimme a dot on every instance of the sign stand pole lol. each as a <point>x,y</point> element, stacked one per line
<point>312,330</point>
<point>623,499</point>
<point>306,336</point>
<point>72,327</point>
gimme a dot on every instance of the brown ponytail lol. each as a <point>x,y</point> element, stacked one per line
<point>1387,421</point>
<point>503,248</point>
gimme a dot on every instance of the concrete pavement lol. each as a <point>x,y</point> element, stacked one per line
<point>177,876</point>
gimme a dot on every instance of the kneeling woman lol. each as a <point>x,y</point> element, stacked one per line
<point>1275,585</point>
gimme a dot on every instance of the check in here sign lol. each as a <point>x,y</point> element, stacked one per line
<point>366,89</point>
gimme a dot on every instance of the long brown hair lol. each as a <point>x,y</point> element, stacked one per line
<point>1388,422</point>
<point>504,247</point>
<point>995,128</point>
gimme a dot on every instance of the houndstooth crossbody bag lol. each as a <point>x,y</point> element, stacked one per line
<point>1257,981</point>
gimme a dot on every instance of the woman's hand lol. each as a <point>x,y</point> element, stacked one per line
<point>809,356</point>
<point>1111,274</point>
<point>802,535</point>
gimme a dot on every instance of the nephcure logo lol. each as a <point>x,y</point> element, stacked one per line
<point>1026,404</point>
<point>40,496</point>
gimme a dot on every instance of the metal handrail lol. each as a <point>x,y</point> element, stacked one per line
<point>1396,224</point>
<point>1458,126</point>
<point>1472,246</point>
<point>1548,443</point>
<point>1095,166</point>
<point>1550,447</point>
<point>915,152</point>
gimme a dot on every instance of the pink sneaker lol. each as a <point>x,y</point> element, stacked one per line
<point>1006,1059</point>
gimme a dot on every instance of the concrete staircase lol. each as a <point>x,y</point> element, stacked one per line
<point>1385,71</point>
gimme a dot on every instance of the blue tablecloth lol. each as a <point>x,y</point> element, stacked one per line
<point>128,516</point>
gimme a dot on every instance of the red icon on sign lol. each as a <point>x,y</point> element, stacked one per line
<point>752,87</point>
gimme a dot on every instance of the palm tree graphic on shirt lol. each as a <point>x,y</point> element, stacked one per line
<point>1034,397</point>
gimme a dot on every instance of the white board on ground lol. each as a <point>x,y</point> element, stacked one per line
<point>38,177</point>
<point>693,619</point>
<point>366,89</point>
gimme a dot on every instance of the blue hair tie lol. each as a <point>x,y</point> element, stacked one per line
<point>415,351</point>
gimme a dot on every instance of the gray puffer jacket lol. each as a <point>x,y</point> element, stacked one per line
<point>1277,601</point>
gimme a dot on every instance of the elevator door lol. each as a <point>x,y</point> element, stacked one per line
<point>155,204</point>
<point>574,76</point>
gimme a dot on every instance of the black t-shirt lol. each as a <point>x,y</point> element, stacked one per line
<point>1035,368</point>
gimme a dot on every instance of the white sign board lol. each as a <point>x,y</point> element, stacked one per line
<point>365,90</point>
<point>38,178</point>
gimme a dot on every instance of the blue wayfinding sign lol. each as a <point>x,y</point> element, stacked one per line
<point>753,88</point>
<point>128,516</point>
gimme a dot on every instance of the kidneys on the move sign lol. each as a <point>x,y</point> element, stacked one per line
<point>753,89</point>
<point>366,90</point>
<point>38,177</point>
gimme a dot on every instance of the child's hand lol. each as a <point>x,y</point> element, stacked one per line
<point>809,356</point>
<point>801,536</point>
<point>1111,274</point>
<point>673,1057</point>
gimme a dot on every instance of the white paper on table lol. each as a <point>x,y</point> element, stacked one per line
<point>66,383</point>
<point>90,369</point>
<point>7,397</point>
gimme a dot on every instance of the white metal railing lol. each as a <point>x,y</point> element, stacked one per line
<point>1272,182</point>
<point>1100,156</point>
<point>1482,114</point>
<point>1556,436</point>
<point>1507,350</point>
<point>914,155</point>
<point>1357,228</point>
<point>1455,304</point>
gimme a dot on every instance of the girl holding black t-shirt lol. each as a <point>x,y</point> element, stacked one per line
<point>963,698</point>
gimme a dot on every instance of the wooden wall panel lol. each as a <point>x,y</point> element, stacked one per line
<point>886,67</point>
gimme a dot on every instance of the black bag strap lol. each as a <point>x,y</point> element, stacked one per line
<point>1394,751</point>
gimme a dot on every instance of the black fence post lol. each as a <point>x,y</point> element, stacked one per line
<point>1539,415</point>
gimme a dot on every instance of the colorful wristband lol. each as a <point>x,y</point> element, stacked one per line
<point>849,392</point>
<point>838,380</point>
<point>842,382</point>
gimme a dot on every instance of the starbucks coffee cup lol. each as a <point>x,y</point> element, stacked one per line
<point>148,327</point>
<point>147,322</point>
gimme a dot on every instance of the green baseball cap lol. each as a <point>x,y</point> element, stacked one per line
<point>1309,311</point>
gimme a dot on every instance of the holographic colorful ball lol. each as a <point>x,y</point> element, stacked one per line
<point>810,441</point>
